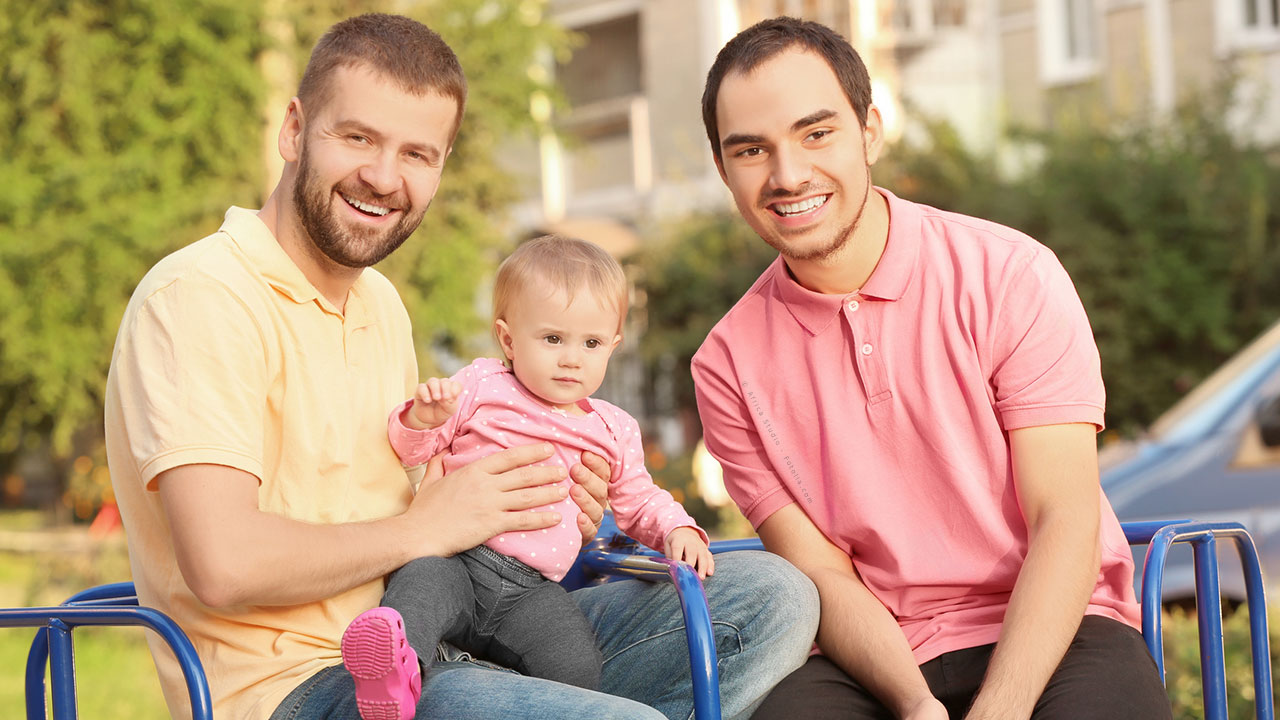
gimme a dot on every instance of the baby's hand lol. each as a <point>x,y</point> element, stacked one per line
<point>433,403</point>
<point>684,543</point>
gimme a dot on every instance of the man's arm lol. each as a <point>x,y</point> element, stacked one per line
<point>1055,470</point>
<point>232,553</point>
<point>855,630</point>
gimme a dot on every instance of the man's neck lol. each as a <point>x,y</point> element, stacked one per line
<point>332,280</point>
<point>849,269</point>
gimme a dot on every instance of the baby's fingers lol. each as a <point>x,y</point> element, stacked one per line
<point>706,563</point>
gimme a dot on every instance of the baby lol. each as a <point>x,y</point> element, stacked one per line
<point>559,305</point>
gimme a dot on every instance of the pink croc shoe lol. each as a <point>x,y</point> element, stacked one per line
<point>388,679</point>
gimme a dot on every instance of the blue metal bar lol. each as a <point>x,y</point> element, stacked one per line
<point>1140,532</point>
<point>693,604</point>
<point>1213,674</point>
<point>72,616</point>
<point>37,659</point>
<point>720,546</point>
<point>62,664</point>
<point>1259,636</point>
<point>1200,535</point>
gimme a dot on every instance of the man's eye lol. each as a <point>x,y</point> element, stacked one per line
<point>750,152</point>
<point>819,134</point>
<point>358,139</point>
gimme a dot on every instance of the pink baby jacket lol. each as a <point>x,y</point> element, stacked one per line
<point>496,412</point>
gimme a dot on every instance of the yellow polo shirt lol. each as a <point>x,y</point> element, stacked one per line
<point>228,355</point>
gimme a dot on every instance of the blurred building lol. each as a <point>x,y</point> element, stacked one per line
<point>1067,61</point>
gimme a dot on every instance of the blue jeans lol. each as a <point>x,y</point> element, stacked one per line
<point>498,608</point>
<point>764,612</point>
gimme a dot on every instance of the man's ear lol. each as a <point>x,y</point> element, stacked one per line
<point>873,135</point>
<point>290,140</point>
<point>503,333</point>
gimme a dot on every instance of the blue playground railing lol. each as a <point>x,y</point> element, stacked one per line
<point>107,605</point>
<point>613,556</point>
<point>1203,537</point>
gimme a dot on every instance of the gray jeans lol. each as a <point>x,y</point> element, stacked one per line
<point>499,609</point>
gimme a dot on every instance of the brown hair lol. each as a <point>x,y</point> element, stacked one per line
<point>558,262</point>
<point>404,50</point>
<point>767,38</point>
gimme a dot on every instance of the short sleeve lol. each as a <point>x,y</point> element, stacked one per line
<point>191,370</point>
<point>1046,367</point>
<point>731,437</point>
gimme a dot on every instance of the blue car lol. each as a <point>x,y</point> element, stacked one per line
<point>1214,456</point>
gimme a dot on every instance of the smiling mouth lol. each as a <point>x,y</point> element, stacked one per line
<point>800,207</point>
<point>366,208</point>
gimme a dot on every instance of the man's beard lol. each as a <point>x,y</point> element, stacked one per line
<point>838,241</point>
<point>350,247</point>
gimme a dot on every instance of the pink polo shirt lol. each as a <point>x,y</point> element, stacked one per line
<point>495,412</point>
<point>883,413</point>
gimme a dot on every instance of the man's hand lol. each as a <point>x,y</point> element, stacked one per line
<point>434,402</point>
<point>590,492</point>
<point>684,543</point>
<point>486,498</point>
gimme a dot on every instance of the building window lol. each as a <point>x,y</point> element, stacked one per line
<point>1248,24</point>
<point>1068,32</point>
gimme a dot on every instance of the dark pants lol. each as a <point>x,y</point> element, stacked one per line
<point>1106,673</point>
<point>498,609</point>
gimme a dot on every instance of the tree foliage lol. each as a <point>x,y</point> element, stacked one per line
<point>690,275</point>
<point>134,124</point>
<point>130,126</point>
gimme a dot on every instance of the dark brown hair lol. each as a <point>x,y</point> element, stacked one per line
<point>767,38</point>
<point>404,50</point>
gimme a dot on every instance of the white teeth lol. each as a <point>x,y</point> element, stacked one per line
<point>371,209</point>
<point>796,208</point>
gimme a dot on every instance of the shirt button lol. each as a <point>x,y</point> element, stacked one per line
<point>866,349</point>
<point>853,306</point>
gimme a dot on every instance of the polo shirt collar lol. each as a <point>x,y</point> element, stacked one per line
<point>270,260</point>
<point>815,311</point>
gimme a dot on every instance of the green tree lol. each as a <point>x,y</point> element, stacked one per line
<point>126,126</point>
<point>690,275</point>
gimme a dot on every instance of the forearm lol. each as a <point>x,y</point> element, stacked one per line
<point>855,630</point>
<point>273,560</point>
<point>232,553</point>
<point>1048,601</point>
<point>860,635</point>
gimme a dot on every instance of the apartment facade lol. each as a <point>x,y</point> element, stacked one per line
<point>1070,61</point>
